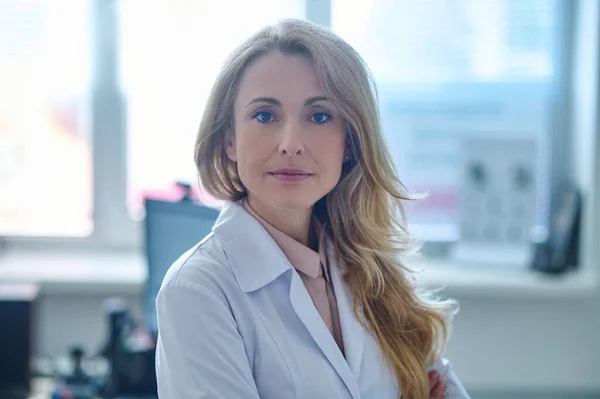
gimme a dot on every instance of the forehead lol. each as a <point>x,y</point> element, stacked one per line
<point>286,78</point>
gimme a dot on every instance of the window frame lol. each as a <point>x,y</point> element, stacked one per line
<point>113,227</point>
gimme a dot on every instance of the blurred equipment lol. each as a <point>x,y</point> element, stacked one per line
<point>171,228</point>
<point>130,351</point>
<point>17,331</point>
<point>561,251</point>
<point>77,384</point>
<point>497,201</point>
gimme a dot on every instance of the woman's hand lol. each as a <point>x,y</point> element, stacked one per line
<point>437,387</point>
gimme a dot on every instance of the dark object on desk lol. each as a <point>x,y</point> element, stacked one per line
<point>561,251</point>
<point>17,331</point>
<point>78,376</point>
<point>171,228</point>
<point>130,351</point>
<point>78,384</point>
<point>131,374</point>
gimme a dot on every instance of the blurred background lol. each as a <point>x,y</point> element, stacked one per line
<point>490,107</point>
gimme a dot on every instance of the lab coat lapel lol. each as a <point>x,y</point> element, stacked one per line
<point>310,317</point>
<point>353,332</point>
<point>254,269</point>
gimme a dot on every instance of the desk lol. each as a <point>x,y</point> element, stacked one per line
<point>41,388</point>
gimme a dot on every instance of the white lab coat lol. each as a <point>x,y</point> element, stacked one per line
<point>236,322</point>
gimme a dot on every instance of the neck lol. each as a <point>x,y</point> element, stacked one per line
<point>294,223</point>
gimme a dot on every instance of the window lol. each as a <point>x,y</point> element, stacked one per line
<point>171,54</point>
<point>45,151</point>
<point>447,70</point>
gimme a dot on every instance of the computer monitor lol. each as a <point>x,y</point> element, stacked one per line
<point>171,228</point>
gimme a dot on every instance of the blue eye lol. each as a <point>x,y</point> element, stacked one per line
<point>263,116</point>
<point>320,118</point>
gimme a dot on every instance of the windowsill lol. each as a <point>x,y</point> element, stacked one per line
<point>110,273</point>
<point>507,283</point>
<point>74,272</point>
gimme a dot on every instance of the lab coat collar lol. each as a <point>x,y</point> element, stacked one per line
<point>255,258</point>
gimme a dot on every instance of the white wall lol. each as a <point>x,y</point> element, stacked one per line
<point>520,344</point>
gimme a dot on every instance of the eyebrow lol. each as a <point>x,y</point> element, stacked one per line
<point>276,102</point>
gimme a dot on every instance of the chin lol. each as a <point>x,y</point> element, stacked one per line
<point>292,199</point>
<point>293,204</point>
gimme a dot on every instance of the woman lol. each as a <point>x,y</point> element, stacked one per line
<point>298,292</point>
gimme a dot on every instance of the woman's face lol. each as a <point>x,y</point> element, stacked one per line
<point>289,139</point>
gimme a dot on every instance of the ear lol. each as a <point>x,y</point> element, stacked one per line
<point>348,144</point>
<point>347,152</point>
<point>230,146</point>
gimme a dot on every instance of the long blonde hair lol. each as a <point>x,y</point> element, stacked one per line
<point>363,213</point>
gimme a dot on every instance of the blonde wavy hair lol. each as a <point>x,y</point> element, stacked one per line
<point>363,213</point>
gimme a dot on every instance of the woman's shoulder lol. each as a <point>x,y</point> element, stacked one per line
<point>204,267</point>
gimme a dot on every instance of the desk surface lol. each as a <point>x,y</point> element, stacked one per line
<point>41,388</point>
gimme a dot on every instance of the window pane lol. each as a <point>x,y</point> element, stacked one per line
<point>45,156</point>
<point>451,69</point>
<point>171,54</point>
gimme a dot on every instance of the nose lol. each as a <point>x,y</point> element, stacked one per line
<point>291,140</point>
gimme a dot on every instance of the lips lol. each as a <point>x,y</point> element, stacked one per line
<point>290,174</point>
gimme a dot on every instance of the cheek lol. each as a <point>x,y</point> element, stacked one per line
<point>252,154</point>
<point>330,155</point>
